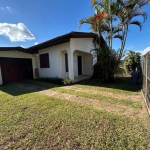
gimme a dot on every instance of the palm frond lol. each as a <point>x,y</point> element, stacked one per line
<point>138,13</point>
<point>89,20</point>
<point>92,2</point>
<point>119,36</point>
<point>130,4</point>
<point>98,3</point>
<point>117,30</point>
<point>138,23</point>
<point>143,2</point>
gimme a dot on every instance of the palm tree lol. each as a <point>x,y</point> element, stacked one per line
<point>130,10</point>
<point>98,27</point>
<point>107,12</point>
<point>125,11</point>
<point>101,23</point>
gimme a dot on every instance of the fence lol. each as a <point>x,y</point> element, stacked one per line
<point>146,78</point>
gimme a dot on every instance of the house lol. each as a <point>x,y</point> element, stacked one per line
<point>68,55</point>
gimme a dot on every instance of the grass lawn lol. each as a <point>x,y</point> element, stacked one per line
<point>99,97</point>
<point>122,86</point>
<point>30,120</point>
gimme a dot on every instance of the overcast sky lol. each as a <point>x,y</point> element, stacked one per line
<point>29,22</point>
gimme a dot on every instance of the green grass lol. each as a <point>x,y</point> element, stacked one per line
<point>121,85</point>
<point>35,121</point>
<point>99,97</point>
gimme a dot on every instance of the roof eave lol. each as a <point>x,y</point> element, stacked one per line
<point>60,40</point>
<point>21,49</point>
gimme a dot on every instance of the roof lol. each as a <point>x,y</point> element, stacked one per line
<point>147,50</point>
<point>55,41</point>
<point>61,39</point>
<point>13,49</point>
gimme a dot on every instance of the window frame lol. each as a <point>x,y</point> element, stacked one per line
<point>66,62</point>
<point>44,60</point>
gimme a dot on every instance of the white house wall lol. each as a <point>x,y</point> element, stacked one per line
<point>78,45</point>
<point>14,54</point>
<point>36,59</point>
<point>75,62</point>
<point>82,44</point>
<point>87,63</point>
<point>55,54</point>
<point>17,54</point>
<point>64,74</point>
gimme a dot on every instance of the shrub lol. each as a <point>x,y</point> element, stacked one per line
<point>54,80</point>
<point>67,81</point>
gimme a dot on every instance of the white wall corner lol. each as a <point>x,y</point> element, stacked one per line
<point>70,60</point>
<point>33,67</point>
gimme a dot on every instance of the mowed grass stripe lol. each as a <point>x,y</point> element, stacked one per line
<point>111,100</point>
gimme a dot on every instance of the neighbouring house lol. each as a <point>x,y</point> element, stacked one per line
<point>65,56</point>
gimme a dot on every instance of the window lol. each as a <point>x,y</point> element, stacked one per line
<point>66,62</point>
<point>44,61</point>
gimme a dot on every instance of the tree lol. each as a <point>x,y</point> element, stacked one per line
<point>103,23</point>
<point>130,10</point>
<point>132,61</point>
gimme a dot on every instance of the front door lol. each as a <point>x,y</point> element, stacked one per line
<point>79,65</point>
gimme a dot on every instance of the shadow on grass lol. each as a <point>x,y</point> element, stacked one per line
<point>121,83</point>
<point>26,87</point>
<point>12,90</point>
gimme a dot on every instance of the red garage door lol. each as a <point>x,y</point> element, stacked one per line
<point>15,69</point>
